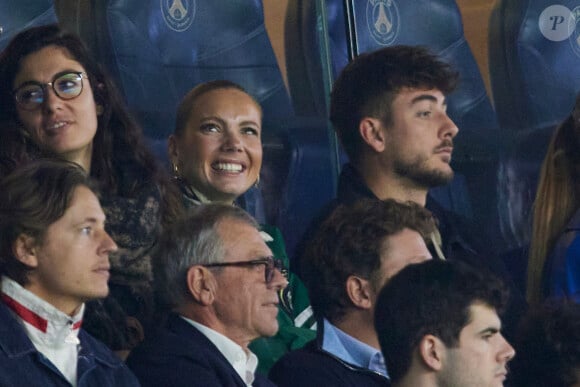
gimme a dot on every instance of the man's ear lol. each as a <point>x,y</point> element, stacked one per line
<point>372,132</point>
<point>25,249</point>
<point>359,292</point>
<point>201,284</point>
<point>432,352</point>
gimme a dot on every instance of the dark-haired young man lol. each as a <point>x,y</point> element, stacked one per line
<point>54,256</point>
<point>438,326</point>
<point>355,251</point>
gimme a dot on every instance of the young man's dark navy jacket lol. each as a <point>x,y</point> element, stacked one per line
<point>180,355</point>
<point>22,365</point>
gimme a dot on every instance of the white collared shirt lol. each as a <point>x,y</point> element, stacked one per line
<point>53,333</point>
<point>245,363</point>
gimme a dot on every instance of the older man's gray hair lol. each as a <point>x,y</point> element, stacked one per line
<point>191,240</point>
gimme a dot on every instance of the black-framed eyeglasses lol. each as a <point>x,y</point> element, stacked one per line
<point>30,95</point>
<point>269,262</point>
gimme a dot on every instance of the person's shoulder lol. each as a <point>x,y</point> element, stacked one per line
<point>310,366</point>
<point>176,342</point>
<point>110,370</point>
<point>262,381</point>
<point>177,356</point>
<point>304,367</point>
<point>93,347</point>
<point>460,235</point>
<point>562,277</point>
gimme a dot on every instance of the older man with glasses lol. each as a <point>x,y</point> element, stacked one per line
<point>217,277</point>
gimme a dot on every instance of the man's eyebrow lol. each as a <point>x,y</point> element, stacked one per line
<point>488,330</point>
<point>426,97</point>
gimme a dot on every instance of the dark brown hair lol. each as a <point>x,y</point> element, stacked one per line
<point>33,197</point>
<point>349,243</point>
<point>367,86</point>
<point>431,298</point>
<point>121,162</point>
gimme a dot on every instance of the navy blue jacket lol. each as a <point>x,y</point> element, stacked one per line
<point>179,355</point>
<point>312,366</point>
<point>22,365</point>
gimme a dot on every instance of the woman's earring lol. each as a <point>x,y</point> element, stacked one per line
<point>257,183</point>
<point>175,169</point>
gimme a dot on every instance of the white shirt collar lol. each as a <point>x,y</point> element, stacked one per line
<point>245,363</point>
<point>53,332</point>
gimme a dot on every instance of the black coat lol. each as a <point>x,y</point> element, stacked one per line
<point>311,366</point>
<point>180,355</point>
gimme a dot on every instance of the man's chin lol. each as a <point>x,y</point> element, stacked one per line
<point>434,179</point>
<point>270,331</point>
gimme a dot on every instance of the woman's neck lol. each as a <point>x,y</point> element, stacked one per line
<point>82,158</point>
<point>205,199</point>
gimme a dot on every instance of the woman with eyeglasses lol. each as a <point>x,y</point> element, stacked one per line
<point>554,260</point>
<point>216,154</point>
<point>56,101</point>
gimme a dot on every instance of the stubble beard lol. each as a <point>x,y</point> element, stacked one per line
<point>421,175</point>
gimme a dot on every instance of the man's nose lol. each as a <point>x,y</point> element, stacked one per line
<point>279,281</point>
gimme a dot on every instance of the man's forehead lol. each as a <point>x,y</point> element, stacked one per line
<point>84,203</point>
<point>406,242</point>
<point>482,315</point>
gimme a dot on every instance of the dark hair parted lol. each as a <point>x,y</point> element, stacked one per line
<point>188,101</point>
<point>192,240</point>
<point>367,86</point>
<point>430,298</point>
<point>548,345</point>
<point>349,243</point>
<point>33,197</point>
<point>121,162</point>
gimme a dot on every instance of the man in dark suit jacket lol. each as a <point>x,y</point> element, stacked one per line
<point>218,278</point>
<point>352,255</point>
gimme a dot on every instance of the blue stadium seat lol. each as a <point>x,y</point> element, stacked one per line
<point>310,181</point>
<point>534,56</point>
<point>159,50</point>
<point>16,16</point>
